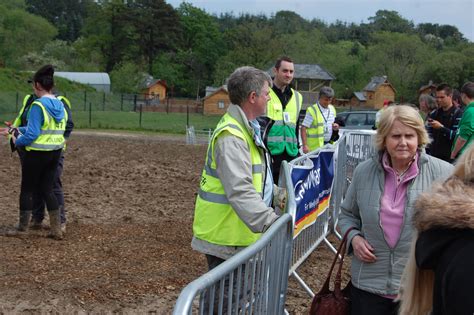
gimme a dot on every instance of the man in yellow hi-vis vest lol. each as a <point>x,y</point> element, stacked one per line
<point>318,124</point>
<point>234,202</point>
<point>281,119</point>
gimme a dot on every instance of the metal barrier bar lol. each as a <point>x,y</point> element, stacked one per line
<point>254,281</point>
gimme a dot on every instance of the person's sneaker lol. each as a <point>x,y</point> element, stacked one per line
<point>63,228</point>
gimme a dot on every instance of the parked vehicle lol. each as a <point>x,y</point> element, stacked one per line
<point>364,120</point>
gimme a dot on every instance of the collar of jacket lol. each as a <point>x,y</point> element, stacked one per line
<point>238,114</point>
<point>447,205</point>
<point>422,158</point>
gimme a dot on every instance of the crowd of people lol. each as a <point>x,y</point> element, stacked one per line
<point>391,200</point>
<point>237,200</point>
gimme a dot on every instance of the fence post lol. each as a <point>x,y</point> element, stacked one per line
<point>121,102</point>
<point>187,115</point>
<point>16,104</point>
<point>135,102</point>
<point>90,114</point>
<point>103,103</point>
<point>85,101</point>
<point>140,123</point>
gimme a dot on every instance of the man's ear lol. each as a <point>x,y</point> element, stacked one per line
<point>252,97</point>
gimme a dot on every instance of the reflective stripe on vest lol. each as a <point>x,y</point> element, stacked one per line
<point>282,135</point>
<point>315,133</point>
<point>51,136</point>
<point>215,221</point>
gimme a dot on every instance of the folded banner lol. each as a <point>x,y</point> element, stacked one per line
<point>312,183</point>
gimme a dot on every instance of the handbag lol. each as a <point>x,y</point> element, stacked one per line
<point>337,302</point>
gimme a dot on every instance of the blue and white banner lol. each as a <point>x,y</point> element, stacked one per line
<point>312,182</point>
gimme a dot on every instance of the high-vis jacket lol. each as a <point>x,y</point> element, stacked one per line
<point>315,133</point>
<point>51,137</point>
<point>215,221</point>
<point>282,135</point>
<point>21,119</point>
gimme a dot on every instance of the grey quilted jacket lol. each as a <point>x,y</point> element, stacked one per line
<point>361,210</point>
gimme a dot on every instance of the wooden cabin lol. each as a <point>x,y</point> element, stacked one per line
<point>377,91</point>
<point>155,89</point>
<point>216,101</point>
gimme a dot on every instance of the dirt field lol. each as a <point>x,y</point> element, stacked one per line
<point>130,202</point>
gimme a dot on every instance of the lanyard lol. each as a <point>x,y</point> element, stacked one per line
<point>329,113</point>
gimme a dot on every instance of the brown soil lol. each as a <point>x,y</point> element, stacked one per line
<point>130,202</point>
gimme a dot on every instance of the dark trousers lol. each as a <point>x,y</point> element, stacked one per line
<point>38,171</point>
<point>365,303</point>
<point>276,164</point>
<point>39,207</point>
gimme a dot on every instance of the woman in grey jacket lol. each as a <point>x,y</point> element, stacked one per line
<point>379,206</point>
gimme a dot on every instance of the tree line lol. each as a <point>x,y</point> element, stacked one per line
<point>191,49</point>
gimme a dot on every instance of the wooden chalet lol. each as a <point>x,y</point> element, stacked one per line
<point>155,90</point>
<point>377,91</point>
<point>216,101</point>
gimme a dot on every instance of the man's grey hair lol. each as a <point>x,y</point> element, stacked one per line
<point>326,91</point>
<point>429,100</point>
<point>245,80</point>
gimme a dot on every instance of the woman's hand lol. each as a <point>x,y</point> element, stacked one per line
<point>363,250</point>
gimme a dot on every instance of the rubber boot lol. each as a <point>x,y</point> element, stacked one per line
<point>55,223</point>
<point>22,228</point>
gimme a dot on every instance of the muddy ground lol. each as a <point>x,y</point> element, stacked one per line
<point>130,202</point>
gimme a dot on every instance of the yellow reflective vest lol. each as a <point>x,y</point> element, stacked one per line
<point>282,136</point>
<point>215,221</point>
<point>315,132</point>
<point>51,137</point>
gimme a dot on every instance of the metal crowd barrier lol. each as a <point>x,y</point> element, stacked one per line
<point>198,136</point>
<point>254,281</point>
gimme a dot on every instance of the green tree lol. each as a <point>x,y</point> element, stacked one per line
<point>67,15</point>
<point>390,21</point>
<point>156,28</point>
<point>202,44</point>
<point>21,33</point>
<point>402,58</point>
<point>126,78</point>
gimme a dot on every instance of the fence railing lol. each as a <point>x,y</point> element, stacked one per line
<point>252,282</point>
<point>352,148</point>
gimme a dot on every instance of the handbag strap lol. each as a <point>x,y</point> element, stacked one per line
<point>342,252</point>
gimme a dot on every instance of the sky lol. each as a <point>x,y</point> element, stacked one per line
<point>459,13</point>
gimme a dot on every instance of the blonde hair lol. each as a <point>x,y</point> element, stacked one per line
<point>464,168</point>
<point>416,291</point>
<point>408,116</point>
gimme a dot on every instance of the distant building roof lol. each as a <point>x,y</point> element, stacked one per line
<point>310,71</point>
<point>210,90</point>
<point>91,78</point>
<point>360,96</point>
<point>149,82</point>
<point>429,85</point>
<point>375,82</point>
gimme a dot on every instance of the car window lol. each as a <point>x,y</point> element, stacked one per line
<point>356,119</point>
<point>371,118</point>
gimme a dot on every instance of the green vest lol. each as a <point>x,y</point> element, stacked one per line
<point>215,221</point>
<point>51,137</point>
<point>315,133</point>
<point>282,135</point>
